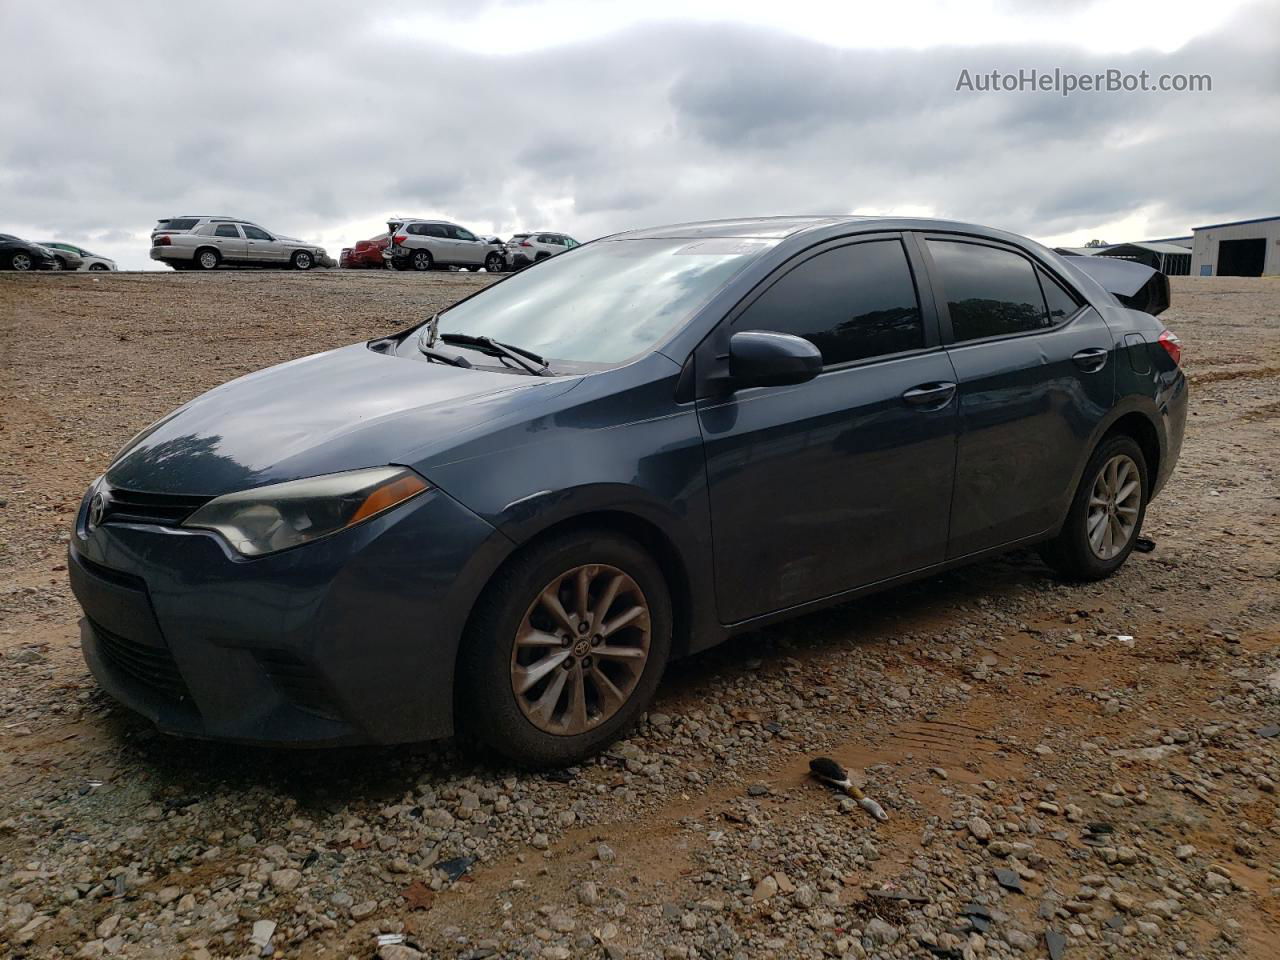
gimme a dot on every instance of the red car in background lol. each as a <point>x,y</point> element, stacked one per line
<point>365,254</point>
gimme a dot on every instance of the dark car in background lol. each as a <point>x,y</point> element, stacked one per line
<point>508,519</point>
<point>22,255</point>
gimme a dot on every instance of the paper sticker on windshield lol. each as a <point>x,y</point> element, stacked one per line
<point>724,247</point>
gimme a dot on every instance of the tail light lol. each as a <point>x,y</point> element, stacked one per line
<point>525,243</point>
<point>163,241</point>
<point>1172,345</point>
<point>398,239</point>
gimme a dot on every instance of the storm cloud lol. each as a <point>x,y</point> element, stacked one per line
<point>321,126</point>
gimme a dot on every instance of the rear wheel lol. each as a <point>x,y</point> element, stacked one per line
<point>206,259</point>
<point>302,260</point>
<point>493,263</point>
<point>21,261</point>
<point>421,260</point>
<point>1106,514</point>
<point>565,649</point>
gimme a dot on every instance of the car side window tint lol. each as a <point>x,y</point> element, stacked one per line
<point>226,230</point>
<point>431,230</point>
<point>1062,305</point>
<point>460,234</point>
<point>990,292</point>
<point>852,303</point>
<point>253,233</point>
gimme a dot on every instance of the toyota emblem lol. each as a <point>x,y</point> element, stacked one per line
<point>97,508</point>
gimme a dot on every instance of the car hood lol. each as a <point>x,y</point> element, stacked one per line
<point>342,410</point>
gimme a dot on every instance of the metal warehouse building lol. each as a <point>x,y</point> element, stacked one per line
<point>1243,248</point>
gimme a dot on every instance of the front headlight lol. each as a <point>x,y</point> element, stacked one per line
<point>283,515</point>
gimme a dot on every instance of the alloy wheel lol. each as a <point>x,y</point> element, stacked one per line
<point>208,260</point>
<point>21,261</point>
<point>1114,504</point>
<point>580,649</point>
<point>422,261</point>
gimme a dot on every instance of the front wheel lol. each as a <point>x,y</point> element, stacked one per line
<point>566,648</point>
<point>59,264</point>
<point>1106,514</point>
<point>302,260</point>
<point>97,266</point>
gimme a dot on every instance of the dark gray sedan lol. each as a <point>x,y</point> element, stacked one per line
<point>508,519</point>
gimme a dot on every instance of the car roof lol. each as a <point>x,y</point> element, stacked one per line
<point>777,228</point>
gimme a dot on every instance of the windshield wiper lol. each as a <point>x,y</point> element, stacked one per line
<point>518,355</point>
<point>426,347</point>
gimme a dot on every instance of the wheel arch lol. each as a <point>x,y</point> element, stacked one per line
<point>1143,431</point>
<point>642,530</point>
<point>195,255</point>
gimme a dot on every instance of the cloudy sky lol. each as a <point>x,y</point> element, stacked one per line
<point>319,120</point>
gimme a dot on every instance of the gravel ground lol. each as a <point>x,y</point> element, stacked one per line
<point>1084,769</point>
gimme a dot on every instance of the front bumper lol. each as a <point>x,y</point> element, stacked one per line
<point>351,639</point>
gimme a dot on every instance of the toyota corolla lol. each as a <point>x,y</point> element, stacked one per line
<point>507,520</point>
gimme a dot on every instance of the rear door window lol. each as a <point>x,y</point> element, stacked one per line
<point>227,230</point>
<point>852,303</point>
<point>1062,304</point>
<point>989,292</point>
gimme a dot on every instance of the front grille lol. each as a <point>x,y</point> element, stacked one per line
<point>297,682</point>
<point>162,509</point>
<point>153,667</point>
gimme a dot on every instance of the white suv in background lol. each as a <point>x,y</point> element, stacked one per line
<point>524,248</point>
<point>427,244</point>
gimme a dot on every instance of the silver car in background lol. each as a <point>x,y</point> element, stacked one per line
<point>78,258</point>
<point>428,244</point>
<point>212,242</point>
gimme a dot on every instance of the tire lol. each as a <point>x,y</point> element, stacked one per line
<point>493,263</point>
<point>491,665</point>
<point>59,264</point>
<point>302,260</point>
<point>1072,553</point>
<point>421,260</point>
<point>97,266</point>
<point>21,260</point>
<point>206,259</point>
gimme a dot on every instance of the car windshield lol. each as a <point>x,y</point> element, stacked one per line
<point>605,302</point>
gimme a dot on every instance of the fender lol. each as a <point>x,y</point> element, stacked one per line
<point>1123,407</point>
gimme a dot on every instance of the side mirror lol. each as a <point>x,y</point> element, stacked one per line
<point>758,358</point>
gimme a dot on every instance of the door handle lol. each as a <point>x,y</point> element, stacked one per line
<point>1091,360</point>
<point>932,395</point>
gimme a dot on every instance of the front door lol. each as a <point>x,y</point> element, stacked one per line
<point>1036,370</point>
<point>261,247</point>
<point>470,249</point>
<point>845,480</point>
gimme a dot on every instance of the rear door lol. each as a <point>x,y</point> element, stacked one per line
<point>229,241</point>
<point>1036,376</point>
<point>845,480</point>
